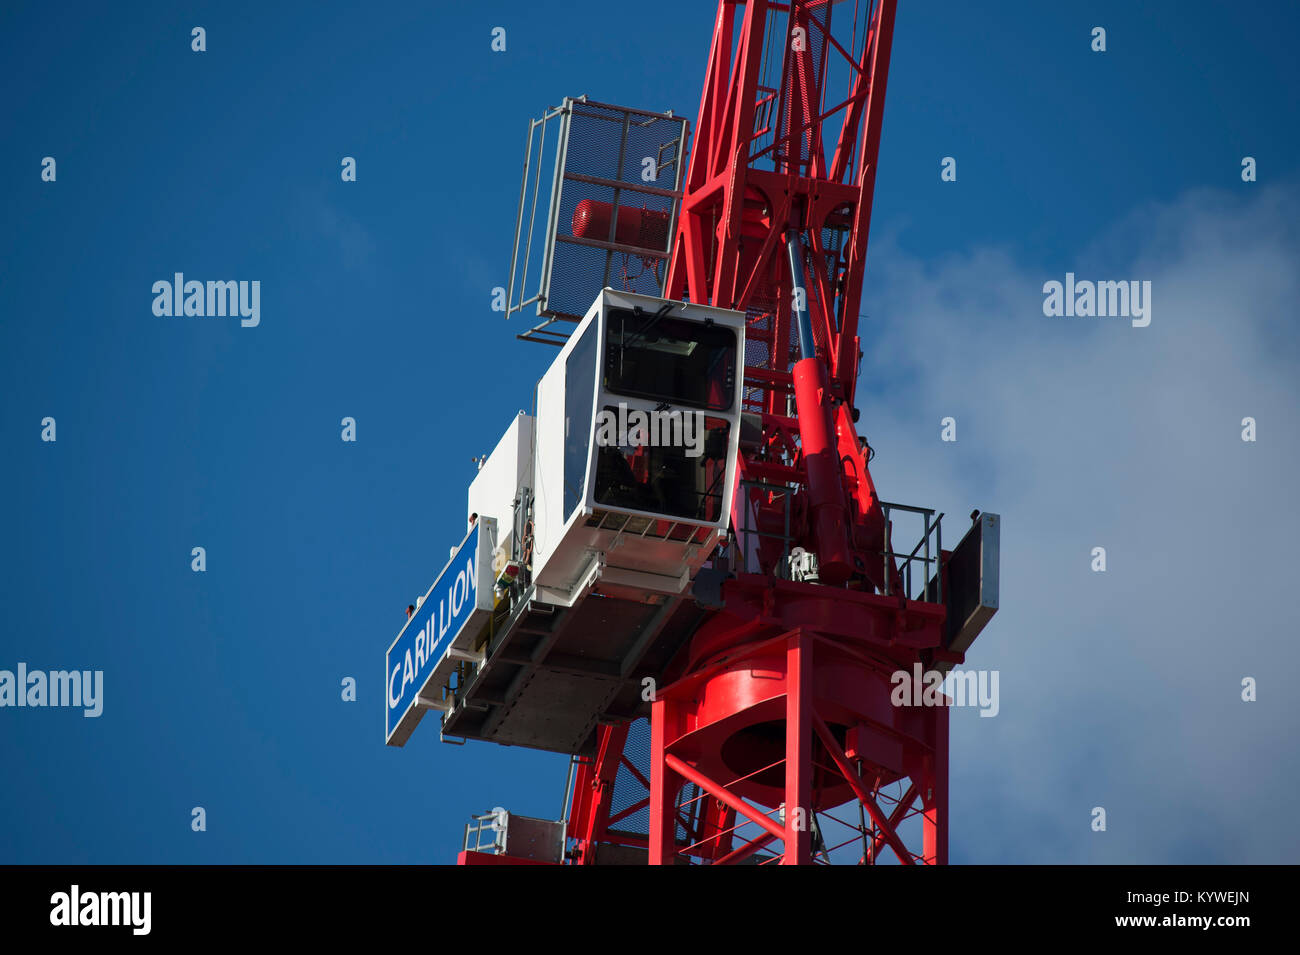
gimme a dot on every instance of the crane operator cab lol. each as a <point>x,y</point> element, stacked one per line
<point>669,461</point>
<point>634,448</point>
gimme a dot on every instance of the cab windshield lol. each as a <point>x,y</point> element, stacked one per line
<point>650,355</point>
<point>658,472</point>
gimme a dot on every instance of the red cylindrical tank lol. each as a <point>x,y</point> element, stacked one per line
<point>642,228</point>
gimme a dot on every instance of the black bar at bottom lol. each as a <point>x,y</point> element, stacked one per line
<point>378,905</point>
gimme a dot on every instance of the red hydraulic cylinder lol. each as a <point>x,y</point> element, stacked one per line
<point>825,486</point>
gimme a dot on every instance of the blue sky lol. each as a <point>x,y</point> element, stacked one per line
<point>222,688</point>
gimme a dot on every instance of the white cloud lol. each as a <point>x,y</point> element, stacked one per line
<point>1119,689</point>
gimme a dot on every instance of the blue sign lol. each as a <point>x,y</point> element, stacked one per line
<point>417,655</point>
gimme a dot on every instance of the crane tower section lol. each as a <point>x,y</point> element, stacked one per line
<point>685,529</point>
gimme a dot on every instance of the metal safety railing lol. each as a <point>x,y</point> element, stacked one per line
<point>900,568</point>
<point>748,538</point>
<point>491,824</point>
<point>899,575</point>
<point>611,161</point>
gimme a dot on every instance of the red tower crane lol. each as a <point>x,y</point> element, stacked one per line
<point>784,695</point>
<point>773,700</point>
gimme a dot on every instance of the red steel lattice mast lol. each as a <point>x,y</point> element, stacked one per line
<point>783,697</point>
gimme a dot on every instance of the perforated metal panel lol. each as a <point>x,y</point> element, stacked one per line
<point>628,790</point>
<point>611,208</point>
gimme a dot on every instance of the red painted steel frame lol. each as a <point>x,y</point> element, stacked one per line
<point>783,696</point>
<point>768,714</point>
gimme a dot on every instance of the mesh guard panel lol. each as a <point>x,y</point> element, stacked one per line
<point>612,209</point>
